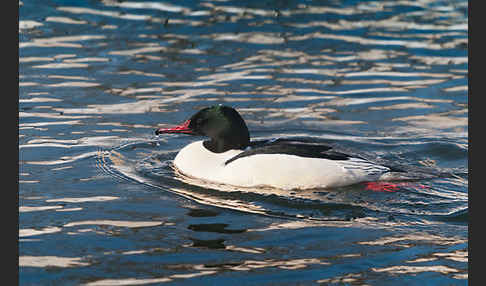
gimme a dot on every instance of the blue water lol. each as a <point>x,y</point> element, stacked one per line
<point>99,200</point>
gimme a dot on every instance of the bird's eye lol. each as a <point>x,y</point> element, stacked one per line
<point>201,121</point>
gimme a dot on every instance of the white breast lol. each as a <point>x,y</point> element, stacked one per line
<point>275,170</point>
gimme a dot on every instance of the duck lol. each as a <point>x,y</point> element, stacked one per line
<point>228,156</point>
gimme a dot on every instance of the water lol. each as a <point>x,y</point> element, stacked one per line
<point>99,201</point>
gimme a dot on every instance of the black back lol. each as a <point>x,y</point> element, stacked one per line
<point>302,148</point>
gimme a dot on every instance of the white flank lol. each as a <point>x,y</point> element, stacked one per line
<point>275,170</point>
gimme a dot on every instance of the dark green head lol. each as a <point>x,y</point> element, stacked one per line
<point>222,124</point>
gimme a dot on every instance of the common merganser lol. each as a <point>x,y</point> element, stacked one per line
<point>229,157</point>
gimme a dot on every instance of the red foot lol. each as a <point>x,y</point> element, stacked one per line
<point>381,187</point>
<point>390,187</point>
